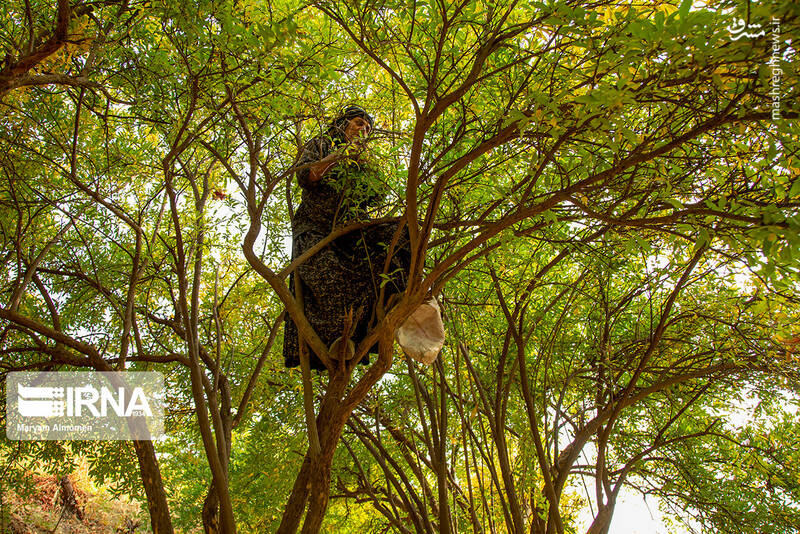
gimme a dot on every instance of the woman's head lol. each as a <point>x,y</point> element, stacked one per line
<point>353,122</point>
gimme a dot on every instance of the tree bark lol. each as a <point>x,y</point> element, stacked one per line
<point>602,521</point>
<point>311,491</point>
<point>157,505</point>
<point>68,498</point>
<point>16,68</point>
<point>210,514</point>
<point>312,485</point>
<point>210,511</point>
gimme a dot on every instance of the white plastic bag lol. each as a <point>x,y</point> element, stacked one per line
<point>421,336</point>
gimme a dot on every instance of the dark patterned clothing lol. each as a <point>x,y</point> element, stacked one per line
<point>346,274</point>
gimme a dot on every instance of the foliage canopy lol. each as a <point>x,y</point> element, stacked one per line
<point>599,190</point>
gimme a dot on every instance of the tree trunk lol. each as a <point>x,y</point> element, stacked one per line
<point>538,525</point>
<point>157,505</point>
<point>320,491</point>
<point>210,514</point>
<point>312,486</point>
<point>210,511</point>
<point>68,499</point>
<point>293,512</point>
<point>601,521</point>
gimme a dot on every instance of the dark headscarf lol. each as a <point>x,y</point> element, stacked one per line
<point>336,129</point>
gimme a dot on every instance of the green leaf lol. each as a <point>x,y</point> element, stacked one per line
<point>675,203</point>
<point>683,10</point>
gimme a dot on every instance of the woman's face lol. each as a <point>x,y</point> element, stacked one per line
<point>357,127</point>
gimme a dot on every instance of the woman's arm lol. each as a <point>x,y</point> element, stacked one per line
<point>317,170</point>
<point>319,159</point>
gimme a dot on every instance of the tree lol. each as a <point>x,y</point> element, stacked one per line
<point>599,189</point>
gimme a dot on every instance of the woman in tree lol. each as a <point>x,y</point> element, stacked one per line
<point>340,185</point>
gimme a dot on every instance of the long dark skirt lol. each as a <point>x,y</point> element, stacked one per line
<point>345,275</point>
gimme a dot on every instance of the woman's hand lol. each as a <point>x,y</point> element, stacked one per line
<point>318,169</point>
<point>356,151</point>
